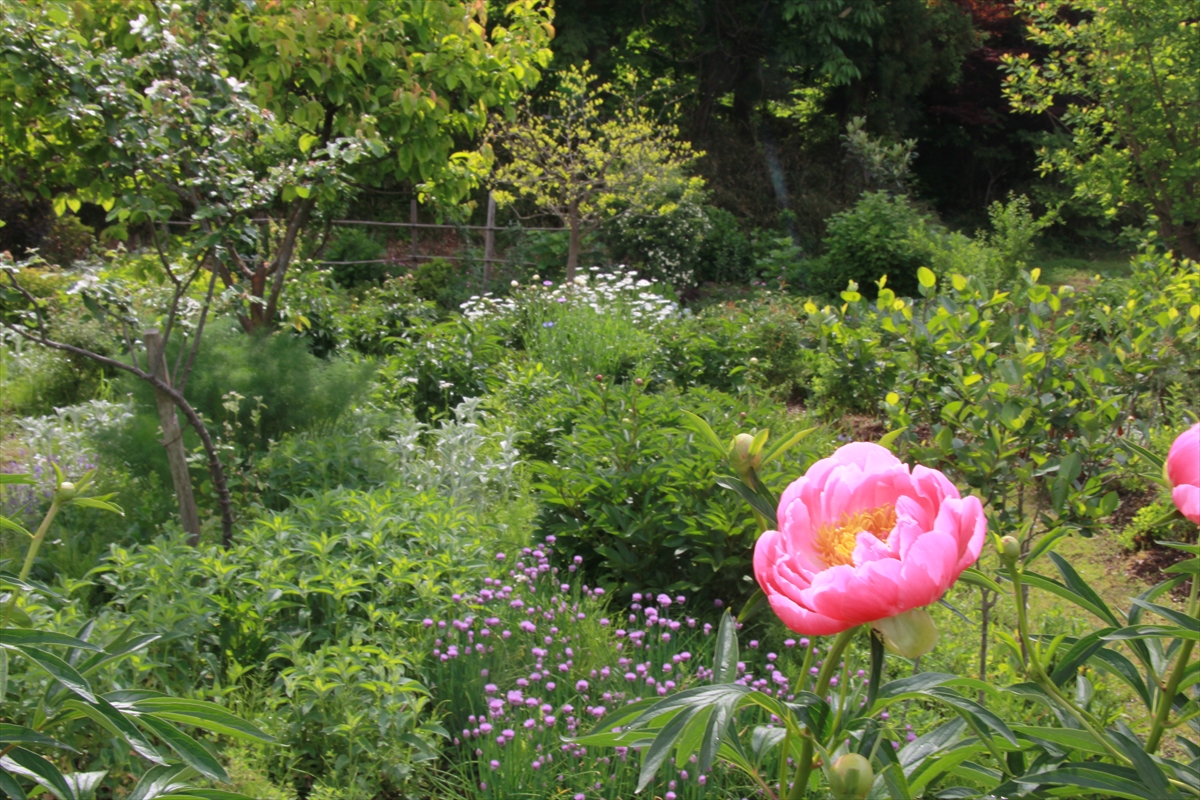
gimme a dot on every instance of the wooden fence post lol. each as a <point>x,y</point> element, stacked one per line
<point>173,438</point>
<point>412,213</point>
<point>489,242</point>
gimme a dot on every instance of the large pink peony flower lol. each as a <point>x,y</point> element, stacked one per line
<point>1183,471</point>
<point>861,539</point>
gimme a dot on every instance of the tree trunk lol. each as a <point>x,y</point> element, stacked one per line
<point>173,438</point>
<point>576,234</point>
<point>1187,242</point>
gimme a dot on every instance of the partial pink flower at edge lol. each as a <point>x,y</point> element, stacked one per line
<point>1183,472</point>
<point>862,538</point>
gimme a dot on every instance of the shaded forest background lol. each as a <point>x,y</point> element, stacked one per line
<point>765,89</point>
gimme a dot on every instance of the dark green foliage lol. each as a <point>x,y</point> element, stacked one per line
<point>715,348</point>
<point>315,613</point>
<point>726,253</point>
<point>865,243</point>
<point>434,281</point>
<point>690,246</point>
<point>632,493</point>
<point>708,349</point>
<point>844,381</point>
<point>253,389</point>
<point>303,463</point>
<point>355,244</point>
<point>383,314</point>
<point>64,379</point>
<point>296,390</point>
<point>68,240</point>
<point>437,366</point>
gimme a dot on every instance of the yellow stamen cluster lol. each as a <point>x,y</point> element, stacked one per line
<point>835,543</point>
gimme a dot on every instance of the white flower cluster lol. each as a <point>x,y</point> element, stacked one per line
<point>601,291</point>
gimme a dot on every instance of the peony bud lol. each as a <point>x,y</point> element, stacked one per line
<point>851,777</point>
<point>1010,550</point>
<point>65,493</point>
<point>741,459</point>
<point>911,634</point>
<point>753,361</point>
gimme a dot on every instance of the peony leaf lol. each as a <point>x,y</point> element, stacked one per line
<point>756,501</point>
<point>889,438</point>
<point>160,781</point>
<point>707,436</point>
<point>191,751</point>
<point>726,656</point>
<point>1117,664</point>
<point>1082,650</point>
<point>1178,617</point>
<point>1153,632</point>
<point>663,742</point>
<point>30,765</point>
<point>779,450</point>
<point>1110,779</point>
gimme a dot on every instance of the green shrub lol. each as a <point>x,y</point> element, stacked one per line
<point>305,463</point>
<point>1153,523</point>
<point>726,254</point>
<point>280,386</point>
<point>252,389</point>
<point>711,348</point>
<point>578,341</point>
<point>35,380</point>
<point>667,247</point>
<point>313,619</point>
<point>1014,234</point>
<point>630,493</point>
<point>867,242</point>
<point>438,281</point>
<point>952,253</point>
<point>356,243</point>
<point>438,366</point>
<point>68,240</point>
<point>312,310</point>
<point>376,323</point>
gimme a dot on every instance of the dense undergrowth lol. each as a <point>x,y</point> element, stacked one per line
<point>463,537</point>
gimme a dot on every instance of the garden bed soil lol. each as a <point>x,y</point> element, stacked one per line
<point>1150,561</point>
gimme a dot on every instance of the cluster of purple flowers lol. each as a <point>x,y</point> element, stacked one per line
<point>533,658</point>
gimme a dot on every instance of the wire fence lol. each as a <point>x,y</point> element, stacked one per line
<point>490,229</point>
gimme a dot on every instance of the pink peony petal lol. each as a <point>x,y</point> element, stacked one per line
<point>1187,500</point>
<point>1183,459</point>
<point>867,455</point>
<point>937,535</point>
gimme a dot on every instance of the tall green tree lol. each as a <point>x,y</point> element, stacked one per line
<point>221,128</point>
<point>583,163</point>
<point>350,92</point>
<point>1122,81</point>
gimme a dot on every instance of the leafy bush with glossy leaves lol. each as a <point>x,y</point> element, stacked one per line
<point>867,242</point>
<point>631,492</point>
